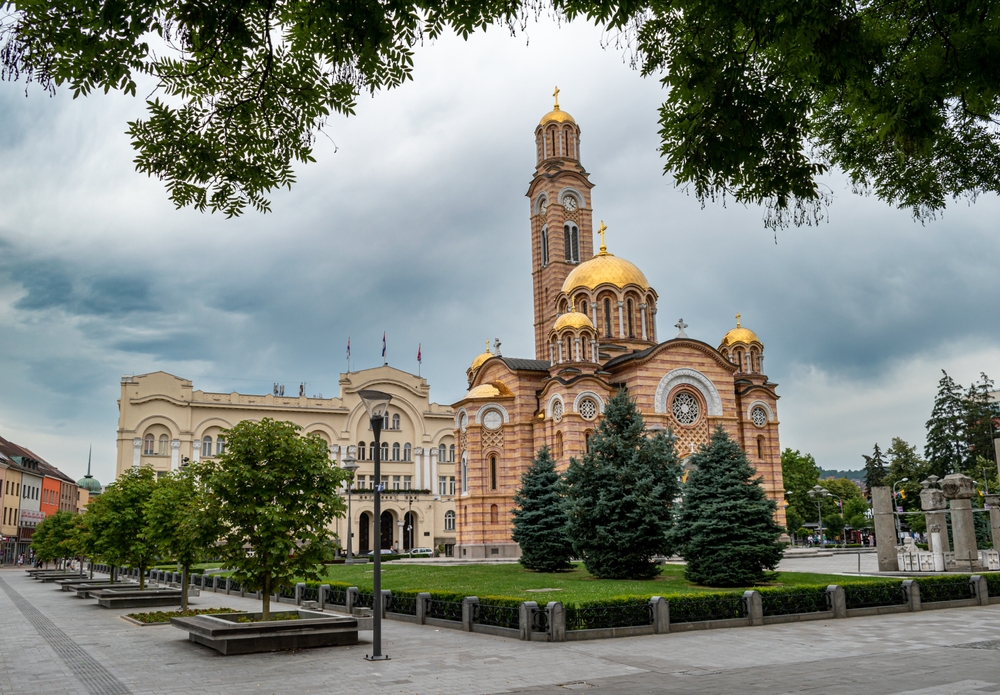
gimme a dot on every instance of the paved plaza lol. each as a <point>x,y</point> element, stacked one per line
<point>54,644</point>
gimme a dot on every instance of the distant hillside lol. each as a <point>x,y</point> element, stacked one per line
<point>853,475</point>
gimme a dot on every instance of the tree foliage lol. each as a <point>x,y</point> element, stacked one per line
<point>725,529</point>
<point>181,520</point>
<point>53,536</point>
<point>799,473</point>
<point>762,98</point>
<point>905,462</point>
<point>619,496</point>
<point>874,469</point>
<point>539,519</point>
<point>119,521</point>
<point>945,429</point>
<point>276,494</point>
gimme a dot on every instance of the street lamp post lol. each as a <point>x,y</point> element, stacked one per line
<point>818,493</point>
<point>377,403</point>
<point>843,531</point>
<point>351,466</point>
<point>895,515</point>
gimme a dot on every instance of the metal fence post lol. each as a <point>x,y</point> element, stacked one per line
<point>557,621</point>
<point>468,611</point>
<point>755,607</point>
<point>661,615</point>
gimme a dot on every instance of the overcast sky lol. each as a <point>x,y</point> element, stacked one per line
<point>413,221</point>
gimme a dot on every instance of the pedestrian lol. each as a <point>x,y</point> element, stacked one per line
<point>20,560</point>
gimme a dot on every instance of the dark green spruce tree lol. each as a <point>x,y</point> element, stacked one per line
<point>874,469</point>
<point>980,412</point>
<point>945,449</point>
<point>539,518</point>
<point>619,497</point>
<point>725,529</point>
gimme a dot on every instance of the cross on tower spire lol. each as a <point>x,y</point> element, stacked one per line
<point>680,328</point>
<point>555,95</point>
<point>604,248</point>
<point>737,320</point>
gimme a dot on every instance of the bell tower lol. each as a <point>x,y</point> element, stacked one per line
<point>561,216</point>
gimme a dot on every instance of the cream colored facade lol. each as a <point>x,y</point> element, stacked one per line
<point>163,420</point>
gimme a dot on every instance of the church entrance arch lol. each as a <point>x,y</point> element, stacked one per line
<point>364,532</point>
<point>386,522</point>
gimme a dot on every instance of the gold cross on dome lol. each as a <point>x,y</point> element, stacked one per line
<point>737,320</point>
<point>555,95</point>
<point>604,248</point>
<point>487,345</point>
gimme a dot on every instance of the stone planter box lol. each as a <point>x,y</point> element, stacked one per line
<point>61,575</point>
<point>72,584</point>
<point>91,591</point>
<point>138,599</point>
<point>227,636</point>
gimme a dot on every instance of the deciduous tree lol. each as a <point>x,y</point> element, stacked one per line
<point>275,493</point>
<point>120,522</point>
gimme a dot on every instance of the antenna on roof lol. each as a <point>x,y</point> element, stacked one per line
<point>89,453</point>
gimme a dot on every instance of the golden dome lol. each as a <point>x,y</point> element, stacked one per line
<point>556,115</point>
<point>739,335</point>
<point>573,319</point>
<point>494,389</point>
<point>605,268</point>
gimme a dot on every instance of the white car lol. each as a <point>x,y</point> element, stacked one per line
<point>422,552</point>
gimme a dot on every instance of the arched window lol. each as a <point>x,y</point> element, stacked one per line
<point>451,454</point>
<point>395,421</point>
<point>442,452</point>
<point>631,324</point>
<point>545,246</point>
<point>493,472</point>
<point>559,445</point>
<point>569,349</point>
<point>465,474</point>
<point>583,307</point>
<point>148,443</point>
<point>494,514</point>
<point>206,446</point>
<point>371,451</point>
<point>586,440</point>
<point>607,317</point>
<point>364,532</point>
<point>164,444</point>
<point>571,238</point>
<point>361,451</point>
<point>449,520</point>
<point>407,452</point>
<point>760,446</point>
<point>220,446</point>
<point>385,421</point>
<point>395,451</point>
<point>385,451</point>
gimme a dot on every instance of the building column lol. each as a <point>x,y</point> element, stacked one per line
<point>642,313</point>
<point>621,320</point>
<point>175,454</point>
<point>195,450</point>
<point>652,325</point>
<point>560,355</point>
<point>552,357</point>
<point>136,452</point>
<point>593,313</point>
<point>335,452</point>
<point>432,470</point>
<point>399,535</point>
<point>576,348</point>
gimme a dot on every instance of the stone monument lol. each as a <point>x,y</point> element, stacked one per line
<point>885,529</point>
<point>959,489</point>
<point>933,502</point>
<point>993,504</point>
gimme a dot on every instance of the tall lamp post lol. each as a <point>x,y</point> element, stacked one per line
<point>818,493</point>
<point>843,531</point>
<point>899,530</point>
<point>377,403</point>
<point>351,466</point>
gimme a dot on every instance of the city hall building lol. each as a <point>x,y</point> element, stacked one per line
<point>163,420</point>
<point>595,332</point>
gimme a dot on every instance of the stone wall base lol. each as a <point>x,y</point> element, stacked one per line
<point>488,551</point>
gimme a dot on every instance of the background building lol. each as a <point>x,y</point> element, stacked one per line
<point>595,332</point>
<point>163,420</point>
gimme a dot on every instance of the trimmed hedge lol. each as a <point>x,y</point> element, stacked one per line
<point>696,608</point>
<point>875,594</point>
<point>947,588</point>
<point>791,600</point>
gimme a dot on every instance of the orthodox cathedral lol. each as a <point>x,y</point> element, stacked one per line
<point>595,332</point>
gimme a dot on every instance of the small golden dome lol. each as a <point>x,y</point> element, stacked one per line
<point>573,319</point>
<point>478,362</point>
<point>739,335</point>
<point>605,268</point>
<point>493,389</point>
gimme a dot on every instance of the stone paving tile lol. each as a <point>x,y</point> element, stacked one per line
<point>860,654</point>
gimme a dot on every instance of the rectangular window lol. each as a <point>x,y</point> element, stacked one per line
<point>395,482</point>
<point>407,482</point>
<point>385,482</point>
<point>442,485</point>
<point>451,485</point>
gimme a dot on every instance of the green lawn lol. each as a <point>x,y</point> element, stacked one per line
<point>516,582</point>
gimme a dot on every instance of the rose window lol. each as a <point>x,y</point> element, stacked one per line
<point>557,411</point>
<point>759,416</point>
<point>588,409</point>
<point>685,408</point>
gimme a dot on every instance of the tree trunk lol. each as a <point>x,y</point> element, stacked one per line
<point>184,587</point>
<point>142,578</point>
<point>112,570</point>
<point>266,603</point>
<point>91,568</point>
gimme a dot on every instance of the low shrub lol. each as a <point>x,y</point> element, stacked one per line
<point>165,616</point>
<point>696,608</point>
<point>790,600</point>
<point>946,588</point>
<point>874,594</point>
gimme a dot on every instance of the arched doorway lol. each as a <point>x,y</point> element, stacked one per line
<point>387,523</point>
<point>364,532</point>
<point>409,530</point>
